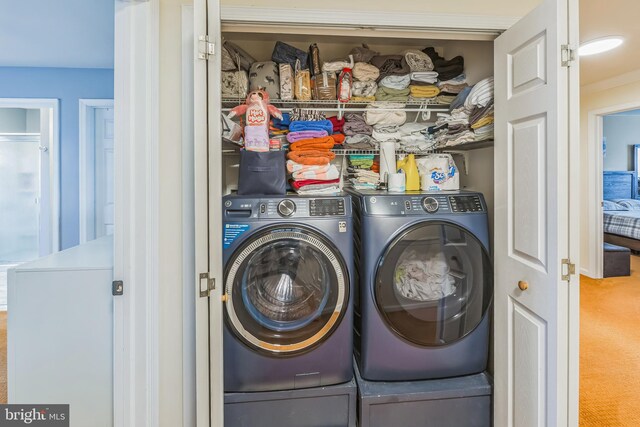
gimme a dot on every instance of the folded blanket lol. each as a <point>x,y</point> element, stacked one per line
<point>484,133</point>
<point>428,77</point>
<point>460,99</point>
<point>417,60</point>
<point>337,124</point>
<point>457,80</point>
<point>485,120</point>
<point>424,91</point>
<point>302,114</point>
<point>360,142</point>
<point>311,157</point>
<point>325,125</point>
<point>338,65</point>
<point>481,94</point>
<point>386,133</point>
<point>361,89</point>
<point>364,72</point>
<point>305,134</point>
<point>319,172</point>
<point>388,94</point>
<point>355,124</point>
<point>385,114</point>
<point>319,189</point>
<point>324,143</point>
<point>304,182</point>
<point>445,98</point>
<point>363,98</point>
<point>478,112</point>
<point>396,81</point>
<point>363,53</point>
<point>451,88</point>
<point>447,69</point>
<point>390,65</point>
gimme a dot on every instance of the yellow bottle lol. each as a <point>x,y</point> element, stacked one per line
<point>410,168</point>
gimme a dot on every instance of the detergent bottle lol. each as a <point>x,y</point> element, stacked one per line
<point>410,168</point>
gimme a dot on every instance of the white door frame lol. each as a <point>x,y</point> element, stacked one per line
<point>49,138</point>
<point>136,231</point>
<point>593,266</point>
<point>87,165</point>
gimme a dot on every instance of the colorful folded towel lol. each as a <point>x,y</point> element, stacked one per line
<point>428,91</point>
<point>319,172</point>
<point>306,134</point>
<point>324,143</point>
<point>338,138</point>
<point>304,182</point>
<point>337,124</point>
<point>311,157</point>
<point>325,125</point>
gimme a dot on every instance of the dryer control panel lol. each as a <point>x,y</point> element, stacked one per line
<point>424,203</point>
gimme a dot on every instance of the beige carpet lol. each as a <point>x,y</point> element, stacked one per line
<point>610,350</point>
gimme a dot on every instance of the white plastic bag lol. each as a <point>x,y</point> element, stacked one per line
<point>438,172</point>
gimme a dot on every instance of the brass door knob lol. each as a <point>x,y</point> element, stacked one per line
<point>523,285</point>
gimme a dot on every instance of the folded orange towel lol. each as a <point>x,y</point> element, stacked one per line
<point>324,143</point>
<point>338,138</point>
<point>311,157</point>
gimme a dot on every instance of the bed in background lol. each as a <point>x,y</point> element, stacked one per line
<point>621,227</point>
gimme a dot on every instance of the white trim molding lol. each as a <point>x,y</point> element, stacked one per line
<point>619,80</point>
<point>50,138</point>
<point>136,184</point>
<point>593,265</point>
<point>86,154</point>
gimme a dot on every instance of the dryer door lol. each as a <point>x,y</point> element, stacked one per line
<point>287,289</point>
<point>434,283</point>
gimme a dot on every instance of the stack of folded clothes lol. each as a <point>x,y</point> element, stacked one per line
<point>310,157</point>
<point>415,138</point>
<point>394,78</point>
<point>364,86</point>
<point>446,69</point>
<point>358,133</point>
<point>470,118</point>
<point>363,171</point>
<point>423,77</point>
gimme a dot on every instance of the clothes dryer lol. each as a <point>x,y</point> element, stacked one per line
<point>425,284</point>
<point>288,310</point>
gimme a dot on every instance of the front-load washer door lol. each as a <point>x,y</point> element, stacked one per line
<point>287,289</point>
<point>434,283</point>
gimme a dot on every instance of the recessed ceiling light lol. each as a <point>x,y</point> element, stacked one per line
<point>599,45</point>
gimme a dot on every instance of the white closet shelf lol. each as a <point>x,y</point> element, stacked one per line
<point>334,105</point>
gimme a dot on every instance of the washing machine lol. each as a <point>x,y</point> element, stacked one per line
<point>288,311</point>
<point>425,284</point>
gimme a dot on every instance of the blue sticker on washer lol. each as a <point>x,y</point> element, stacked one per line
<point>232,232</point>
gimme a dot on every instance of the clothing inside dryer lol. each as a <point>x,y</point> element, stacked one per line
<point>434,283</point>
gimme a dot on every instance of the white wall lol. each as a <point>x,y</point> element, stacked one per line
<point>622,132</point>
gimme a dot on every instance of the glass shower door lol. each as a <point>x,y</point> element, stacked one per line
<point>19,198</point>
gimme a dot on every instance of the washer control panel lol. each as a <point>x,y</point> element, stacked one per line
<point>286,207</point>
<point>466,203</point>
<point>430,204</point>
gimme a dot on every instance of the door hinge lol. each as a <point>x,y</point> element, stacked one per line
<point>117,288</point>
<point>567,55</point>
<point>568,269</point>
<point>206,49</point>
<point>206,284</point>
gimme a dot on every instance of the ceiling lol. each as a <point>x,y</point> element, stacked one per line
<point>600,18</point>
<point>60,33</point>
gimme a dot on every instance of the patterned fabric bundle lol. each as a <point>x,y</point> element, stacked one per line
<point>364,89</point>
<point>417,60</point>
<point>235,84</point>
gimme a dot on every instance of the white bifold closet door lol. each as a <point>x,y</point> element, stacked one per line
<point>532,233</point>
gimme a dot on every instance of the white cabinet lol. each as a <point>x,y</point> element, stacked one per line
<point>60,332</point>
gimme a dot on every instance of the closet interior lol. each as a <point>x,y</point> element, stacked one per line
<point>474,160</point>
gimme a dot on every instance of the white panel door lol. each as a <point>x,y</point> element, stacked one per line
<point>208,215</point>
<point>104,172</point>
<point>532,221</point>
